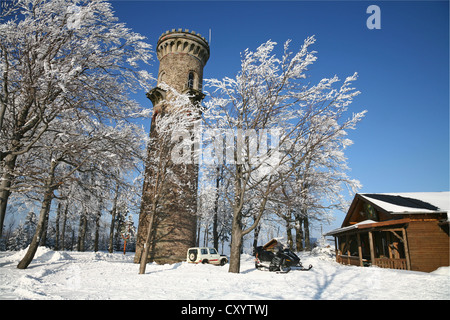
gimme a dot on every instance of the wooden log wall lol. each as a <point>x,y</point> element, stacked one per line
<point>428,245</point>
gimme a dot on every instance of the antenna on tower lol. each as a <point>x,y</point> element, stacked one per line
<point>209,36</point>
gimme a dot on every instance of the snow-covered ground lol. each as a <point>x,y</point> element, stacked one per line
<point>90,275</point>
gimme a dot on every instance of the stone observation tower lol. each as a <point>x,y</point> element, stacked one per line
<point>182,56</point>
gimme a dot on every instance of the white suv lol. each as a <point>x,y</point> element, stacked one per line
<point>205,255</point>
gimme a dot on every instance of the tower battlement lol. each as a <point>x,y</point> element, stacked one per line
<point>179,41</point>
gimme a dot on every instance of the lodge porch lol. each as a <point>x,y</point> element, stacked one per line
<point>385,248</point>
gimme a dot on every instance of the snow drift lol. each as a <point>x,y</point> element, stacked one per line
<point>99,275</point>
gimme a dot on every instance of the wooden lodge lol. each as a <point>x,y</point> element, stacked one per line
<point>401,231</point>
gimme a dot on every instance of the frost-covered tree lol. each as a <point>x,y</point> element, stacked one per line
<point>62,57</point>
<point>79,150</point>
<point>313,190</point>
<point>128,233</point>
<point>270,97</point>
<point>124,199</point>
<point>23,234</point>
<point>206,209</point>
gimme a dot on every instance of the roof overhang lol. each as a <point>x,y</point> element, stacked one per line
<point>367,225</point>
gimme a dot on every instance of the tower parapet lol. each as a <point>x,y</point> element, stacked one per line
<point>179,41</point>
<point>182,56</point>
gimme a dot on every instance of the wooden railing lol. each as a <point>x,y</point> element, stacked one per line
<point>391,263</point>
<point>379,262</point>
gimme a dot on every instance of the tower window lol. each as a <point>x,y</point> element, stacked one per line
<point>162,77</point>
<point>191,80</point>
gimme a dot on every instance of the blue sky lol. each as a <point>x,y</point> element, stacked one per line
<point>402,145</point>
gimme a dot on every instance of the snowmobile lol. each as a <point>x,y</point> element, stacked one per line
<point>278,259</point>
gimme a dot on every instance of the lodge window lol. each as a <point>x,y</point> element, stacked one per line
<point>369,212</point>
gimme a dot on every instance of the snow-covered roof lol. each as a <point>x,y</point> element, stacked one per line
<point>412,202</point>
<point>402,203</point>
<point>353,226</point>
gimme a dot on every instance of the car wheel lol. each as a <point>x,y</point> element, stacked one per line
<point>192,256</point>
<point>205,261</point>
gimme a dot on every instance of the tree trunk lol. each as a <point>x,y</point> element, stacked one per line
<point>58,215</point>
<point>216,211</point>
<point>235,250</point>
<point>197,240</point>
<point>97,231</point>
<point>43,217</point>
<point>299,233</point>
<point>5,185</point>
<point>73,240</point>
<point>23,264</point>
<point>306,230</point>
<point>113,219</point>
<point>236,226</point>
<point>205,236</point>
<point>111,231</point>
<point>215,233</point>
<point>43,241</point>
<point>146,249</point>
<point>236,242</point>
<point>255,239</point>
<point>117,235</point>
<point>63,231</point>
<point>237,232</point>
<point>82,232</point>
<point>3,101</point>
<point>289,235</point>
